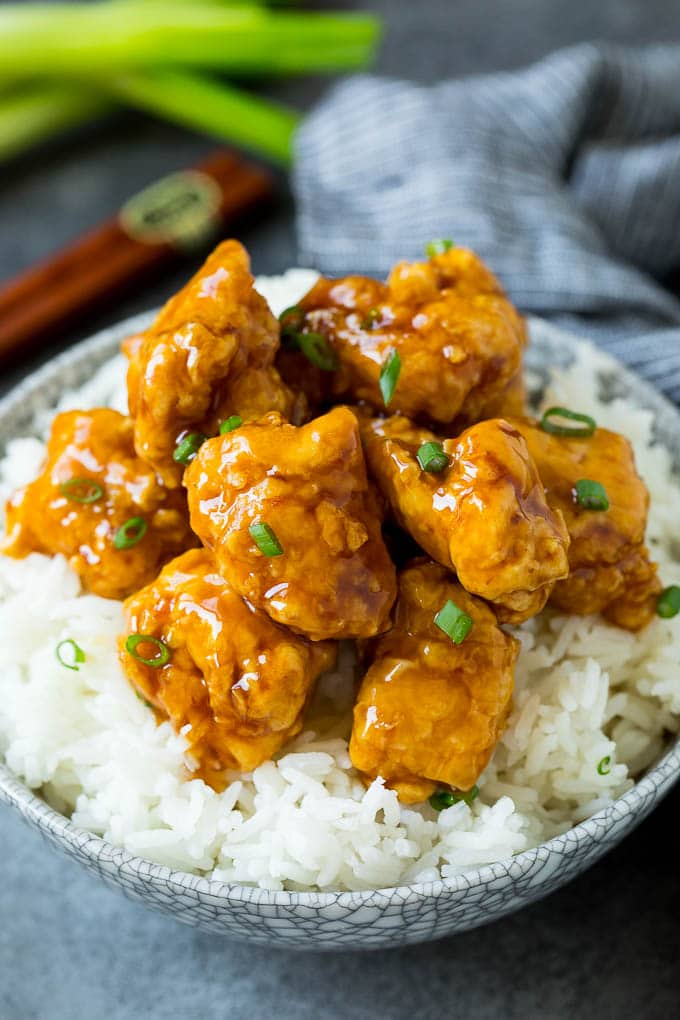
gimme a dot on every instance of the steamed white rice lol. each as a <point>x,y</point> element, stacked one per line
<point>585,691</point>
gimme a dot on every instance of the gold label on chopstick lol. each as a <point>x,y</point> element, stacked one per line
<point>182,210</point>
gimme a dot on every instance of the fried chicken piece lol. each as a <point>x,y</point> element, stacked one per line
<point>333,577</point>
<point>458,337</point>
<point>609,567</point>
<point>430,711</point>
<point>237,679</point>
<point>209,355</point>
<point>484,515</point>
<point>92,485</point>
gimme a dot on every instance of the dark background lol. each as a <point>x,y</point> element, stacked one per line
<point>606,946</point>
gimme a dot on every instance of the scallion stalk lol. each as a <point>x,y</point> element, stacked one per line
<point>211,106</point>
<point>76,40</point>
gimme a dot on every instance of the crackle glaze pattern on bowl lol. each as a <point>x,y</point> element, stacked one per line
<point>348,920</point>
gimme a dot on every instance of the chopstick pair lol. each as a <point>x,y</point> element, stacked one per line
<point>178,213</point>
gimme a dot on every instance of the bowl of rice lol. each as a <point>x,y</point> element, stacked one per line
<point>300,853</point>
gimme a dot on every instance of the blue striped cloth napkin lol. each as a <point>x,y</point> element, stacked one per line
<point>564,177</point>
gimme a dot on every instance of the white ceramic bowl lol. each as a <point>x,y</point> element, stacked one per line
<point>382,917</point>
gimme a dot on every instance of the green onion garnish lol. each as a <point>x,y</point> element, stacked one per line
<point>370,319</point>
<point>82,490</point>
<point>389,376</point>
<point>586,428</point>
<point>445,798</point>
<point>603,764</point>
<point>591,495</point>
<point>292,320</point>
<point>442,799</point>
<point>130,533</point>
<point>668,602</point>
<point>454,622</point>
<point>78,654</point>
<point>439,246</point>
<point>317,349</point>
<point>161,659</point>
<point>188,447</point>
<point>265,539</point>
<point>431,457</point>
<point>231,423</point>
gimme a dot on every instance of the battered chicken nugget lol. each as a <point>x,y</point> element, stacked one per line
<point>431,711</point>
<point>476,505</point>
<point>209,355</point>
<point>609,567</point>
<point>294,524</point>
<point>219,666</point>
<point>439,340</point>
<point>100,506</point>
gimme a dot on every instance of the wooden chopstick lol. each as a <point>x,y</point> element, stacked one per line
<point>149,234</point>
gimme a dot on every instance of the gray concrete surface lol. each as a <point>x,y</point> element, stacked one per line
<point>607,946</point>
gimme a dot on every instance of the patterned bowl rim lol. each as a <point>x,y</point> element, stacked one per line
<point>655,783</point>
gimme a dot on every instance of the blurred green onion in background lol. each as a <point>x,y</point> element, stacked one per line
<point>66,63</point>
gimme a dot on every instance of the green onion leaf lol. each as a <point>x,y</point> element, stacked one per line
<point>188,447</point>
<point>162,656</point>
<point>265,539</point>
<point>454,622</point>
<point>439,246</point>
<point>603,766</point>
<point>431,457</point>
<point>371,319</point>
<point>292,320</point>
<point>389,376</point>
<point>130,533</point>
<point>443,799</point>
<point>591,495</point>
<point>550,423</point>
<point>668,602</point>
<point>82,490</point>
<point>231,423</point>
<point>78,655</point>
<point>318,350</point>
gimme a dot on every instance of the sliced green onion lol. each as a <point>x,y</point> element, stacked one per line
<point>317,349</point>
<point>77,657</point>
<point>591,495</point>
<point>668,602</point>
<point>603,764</point>
<point>586,427</point>
<point>130,533</point>
<point>454,622</point>
<point>439,246</point>
<point>265,539</point>
<point>82,490</point>
<point>443,799</point>
<point>231,423</point>
<point>188,447</point>
<point>389,376</point>
<point>161,659</point>
<point>431,457</point>
<point>292,320</point>
<point>371,318</point>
